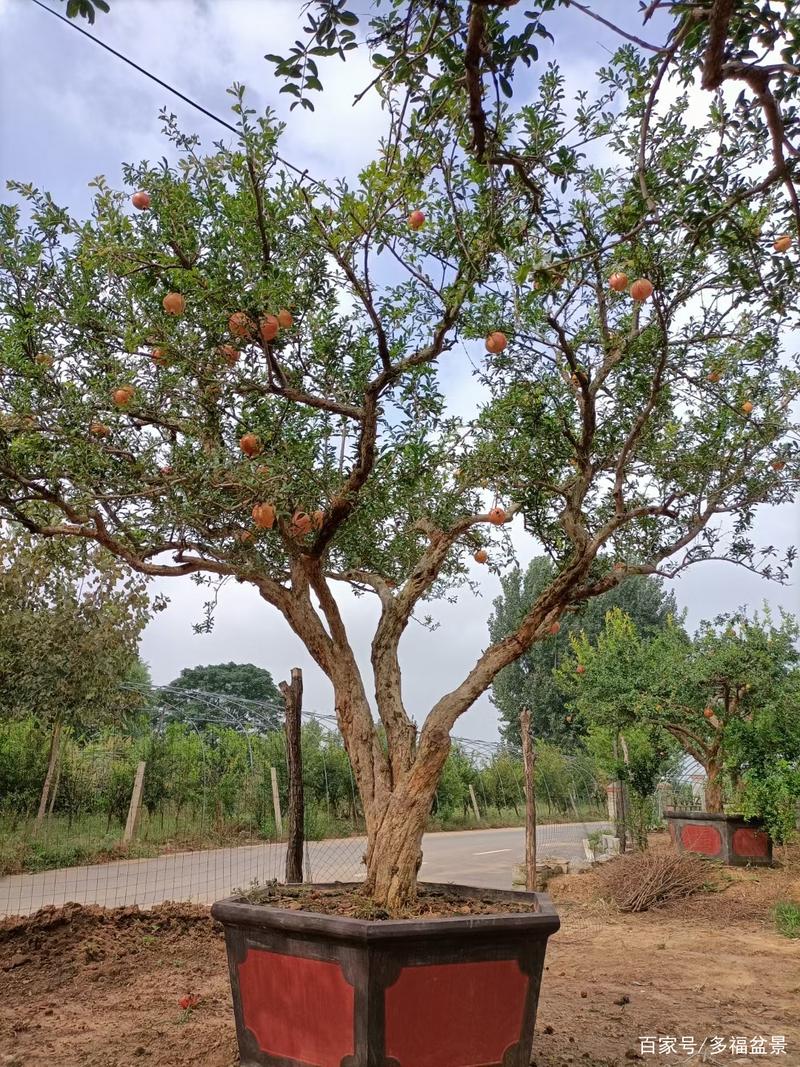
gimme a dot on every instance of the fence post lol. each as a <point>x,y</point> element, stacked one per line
<point>528,760</point>
<point>615,792</point>
<point>55,744</point>
<point>136,803</point>
<point>474,801</point>
<point>276,802</point>
<point>293,699</point>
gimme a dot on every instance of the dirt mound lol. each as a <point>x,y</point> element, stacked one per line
<point>102,988</point>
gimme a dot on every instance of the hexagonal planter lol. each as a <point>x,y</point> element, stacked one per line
<point>330,991</point>
<point>730,839</point>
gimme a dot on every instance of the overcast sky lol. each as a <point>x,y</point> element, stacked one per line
<point>70,111</point>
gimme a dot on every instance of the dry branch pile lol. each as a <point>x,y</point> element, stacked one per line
<point>644,879</point>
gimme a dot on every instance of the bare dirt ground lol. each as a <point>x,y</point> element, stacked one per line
<point>84,987</point>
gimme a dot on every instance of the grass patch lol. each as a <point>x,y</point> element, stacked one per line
<point>787,918</point>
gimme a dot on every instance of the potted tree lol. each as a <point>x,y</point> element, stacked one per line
<point>727,697</point>
<point>244,381</point>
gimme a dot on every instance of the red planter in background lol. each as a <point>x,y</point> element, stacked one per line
<point>328,991</point>
<point>729,838</point>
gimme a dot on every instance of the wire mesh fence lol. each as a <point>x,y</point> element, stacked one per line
<point>188,803</point>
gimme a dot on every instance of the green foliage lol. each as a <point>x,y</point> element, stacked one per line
<point>772,793</point>
<point>631,438</point>
<point>86,9</point>
<point>531,680</point>
<point>69,630</point>
<point>787,918</point>
<point>728,697</point>
<point>207,785</point>
<point>244,681</point>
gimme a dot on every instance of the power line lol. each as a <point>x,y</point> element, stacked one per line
<point>147,74</point>
<point>187,99</point>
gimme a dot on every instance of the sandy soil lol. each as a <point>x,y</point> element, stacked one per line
<point>83,987</point>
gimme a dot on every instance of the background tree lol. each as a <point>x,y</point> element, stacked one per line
<point>640,756</point>
<point>239,380</point>
<point>70,622</point>
<point>727,696</point>
<point>245,683</point>
<point>69,632</point>
<point>530,681</point>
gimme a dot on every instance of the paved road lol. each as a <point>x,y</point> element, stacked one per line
<point>473,857</point>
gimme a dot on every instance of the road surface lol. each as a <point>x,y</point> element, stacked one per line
<point>473,857</point>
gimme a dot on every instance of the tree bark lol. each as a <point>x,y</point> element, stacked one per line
<point>55,746</point>
<point>293,699</point>
<point>714,801</point>
<point>395,856</point>
<point>395,830</point>
<point>528,761</point>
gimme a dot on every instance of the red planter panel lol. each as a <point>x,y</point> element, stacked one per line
<point>464,1014</point>
<point>703,839</point>
<point>297,1008</point>
<point>729,838</point>
<point>750,843</point>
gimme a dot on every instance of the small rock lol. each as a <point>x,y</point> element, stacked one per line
<point>17,960</point>
<point>624,999</point>
<point>632,1054</point>
<point>584,994</point>
<point>548,1029</point>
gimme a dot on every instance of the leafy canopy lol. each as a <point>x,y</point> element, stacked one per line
<point>630,437</point>
<point>228,691</point>
<point>531,680</point>
<point>728,696</point>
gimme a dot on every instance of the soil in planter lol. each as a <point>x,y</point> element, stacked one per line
<point>351,902</point>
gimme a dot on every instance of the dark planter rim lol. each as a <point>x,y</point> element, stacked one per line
<point>237,911</point>
<point>711,816</point>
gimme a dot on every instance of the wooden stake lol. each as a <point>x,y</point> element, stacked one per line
<point>528,762</point>
<point>136,803</point>
<point>293,699</point>
<point>276,802</point>
<point>55,744</point>
<point>54,790</point>
<point>474,801</point>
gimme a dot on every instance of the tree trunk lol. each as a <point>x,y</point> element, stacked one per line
<point>713,787</point>
<point>55,744</point>
<point>528,761</point>
<point>54,791</point>
<point>395,855</point>
<point>293,699</point>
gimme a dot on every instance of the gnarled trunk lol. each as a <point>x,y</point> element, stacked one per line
<point>394,855</point>
<point>395,827</point>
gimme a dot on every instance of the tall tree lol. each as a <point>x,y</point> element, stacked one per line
<point>235,692</point>
<point>530,681</point>
<point>726,696</point>
<point>247,309</point>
